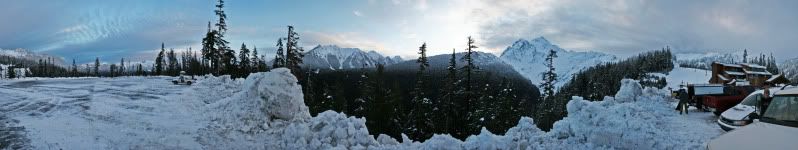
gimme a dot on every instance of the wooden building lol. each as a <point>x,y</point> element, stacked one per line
<point>739,74</point>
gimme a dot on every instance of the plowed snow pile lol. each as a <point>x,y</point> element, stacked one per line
<point>269,113</point>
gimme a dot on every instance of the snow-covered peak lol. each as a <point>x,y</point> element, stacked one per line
<point>527,57</point>
<point>537,46</point>
<point>335,57</point>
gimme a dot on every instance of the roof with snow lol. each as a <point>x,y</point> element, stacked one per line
<point>723,78</point>
<point>729,65</point>
<point>778,79</point>
<point>753,65</point>
<point>758,72</point>
<point>734,73</point>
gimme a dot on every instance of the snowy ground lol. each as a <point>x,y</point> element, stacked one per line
<point>266,111</point>
<point>683,76</point>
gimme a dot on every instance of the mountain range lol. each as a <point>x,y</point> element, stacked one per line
<point>336,58</point>
<point>528,56</point>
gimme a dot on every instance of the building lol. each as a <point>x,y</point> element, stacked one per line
<point>739,74</point>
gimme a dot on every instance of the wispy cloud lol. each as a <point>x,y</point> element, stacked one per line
<point>357,13</point>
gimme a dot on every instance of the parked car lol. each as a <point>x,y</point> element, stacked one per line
<point>739,115</point>
<point>732,95</point>
<point>183,79</point>
<point>777,128</point>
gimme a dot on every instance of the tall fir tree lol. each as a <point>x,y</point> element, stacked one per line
<point>159,61</point>
<point>450,116</point>
<point>172,64</point>
<point>279,58</point>
<point>421,105</point>
<point>468,92</point>
<point>245,63</point>
<point>74,68</point>
<point>122,67</point>
<point>550,76</point>
<point>255,61</point>
<point>97,66</point>
<point>294,53</point>
<point>225,56</point>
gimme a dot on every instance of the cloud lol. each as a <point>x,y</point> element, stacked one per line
<point>630,26</point>
<point>357,13</point>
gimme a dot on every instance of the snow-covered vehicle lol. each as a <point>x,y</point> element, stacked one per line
<point>732,95</point>
<point>777,128</point>
<point>183,79</point>
<point>739,115</point>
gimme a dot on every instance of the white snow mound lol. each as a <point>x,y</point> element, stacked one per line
<point>269,113</point>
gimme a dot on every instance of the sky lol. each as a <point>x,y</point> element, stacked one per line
<point>113,29</point>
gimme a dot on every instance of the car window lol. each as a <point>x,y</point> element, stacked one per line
<point>783,110</point>
<point>752,100</point>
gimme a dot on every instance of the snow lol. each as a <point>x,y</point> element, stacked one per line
<point>266,111</point>
<point>527,57</point>
<point>333,57</point>
<point>683,76</point>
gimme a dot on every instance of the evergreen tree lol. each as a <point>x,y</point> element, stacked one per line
<point>159,61</point>
<point>450,98</point>
<point>209,51</point>
<point>229,61</point>
<point>255,61</point>
<point>245,64</point>
<point>112,69</point>
<point>122,67</point>
<point>468,93</point>
<point>294,53</point>
<point>11,72</point>
<point>745,55</point>
<point>549,77</point>
<point>97,66</point>
<point>172,65</point>
<point>139,70</point>
<point>421,105</point>
<point>74,68</point>
<point>279,59</point>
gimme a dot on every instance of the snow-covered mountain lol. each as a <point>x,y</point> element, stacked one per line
<point>527,57</point>
<point>29,55</point>
<point>485,61</point>
<point>790,69</point>
<point>704,60</point>
<point>335,58</point>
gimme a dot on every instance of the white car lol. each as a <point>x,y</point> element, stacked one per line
<point>777,128</point>
<point>183,79</point>
<point>738,115</point>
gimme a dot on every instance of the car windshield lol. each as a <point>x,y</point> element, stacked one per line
<point>783,110</point>
<point>752,100</point>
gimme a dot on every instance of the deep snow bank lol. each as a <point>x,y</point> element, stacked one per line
<point>269,113</point>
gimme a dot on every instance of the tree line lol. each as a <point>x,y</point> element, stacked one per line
<point>456,100</point>
<point>604,80</point>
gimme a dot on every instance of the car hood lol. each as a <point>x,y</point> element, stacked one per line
<point>738,112</point>
<point>757,136</point>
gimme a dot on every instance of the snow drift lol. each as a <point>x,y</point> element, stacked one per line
<point>269,113</point>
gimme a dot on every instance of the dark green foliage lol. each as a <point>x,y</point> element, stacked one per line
<point>159,61</point>
<point>604,80</point>
<point>279,59</point>
<point>293,53</point>
<point>384,97</point>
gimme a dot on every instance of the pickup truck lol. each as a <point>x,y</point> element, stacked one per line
<point>732,96</point>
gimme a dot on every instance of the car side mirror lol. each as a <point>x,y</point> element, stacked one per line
<point>753,116</point>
